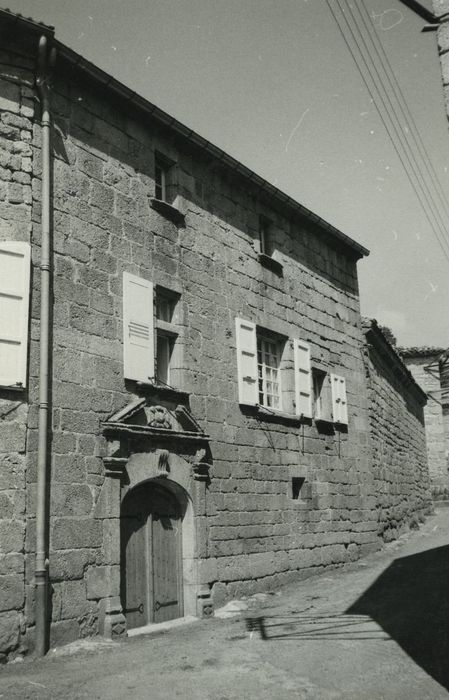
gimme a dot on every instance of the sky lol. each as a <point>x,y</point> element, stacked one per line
<point>273,83</point>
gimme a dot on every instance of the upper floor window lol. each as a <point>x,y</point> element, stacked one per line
<point>264,236</point>
<point>149,338</point>
<point>166,334</point>
<point>269,353</point>
<point>164,179</point>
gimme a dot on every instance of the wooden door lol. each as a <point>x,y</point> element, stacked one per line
<point>151,577</point>
<point>165,537</point>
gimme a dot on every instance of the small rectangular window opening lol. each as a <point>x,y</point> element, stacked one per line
<point>264,241</point>
<point>297,484</point>
<point>160,182</point>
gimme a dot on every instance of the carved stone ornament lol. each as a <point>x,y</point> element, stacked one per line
<point>163,466</point>
<point>158,417</point>
<point>200,468</point>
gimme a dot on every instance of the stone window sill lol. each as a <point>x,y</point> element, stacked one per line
<point>271,264</point>
<point>166,392</point>
<point>271,414</point>
<point>168,210</point>
<point>12,387</point>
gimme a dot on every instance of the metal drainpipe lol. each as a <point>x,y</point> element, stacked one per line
<point>45,63</point>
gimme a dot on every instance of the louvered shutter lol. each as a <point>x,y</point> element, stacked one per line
<point>339,400</point>
<point>14,306</point>
<point>303,378</point>
<point>246,342</point>
<point>138,332</point>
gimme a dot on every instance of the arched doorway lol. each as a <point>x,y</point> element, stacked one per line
<point>151,541</point>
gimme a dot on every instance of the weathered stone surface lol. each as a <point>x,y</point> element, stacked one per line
<point>12,536</point>
<point>70,564</point>
<point>10,625</point>
<point>102,582</point>
<point>71,533</point>
<point>11,592</point>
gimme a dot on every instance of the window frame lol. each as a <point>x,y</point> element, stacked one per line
<point>165,329</point>
<point>263,341</point>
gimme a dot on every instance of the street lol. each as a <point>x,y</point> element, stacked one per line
<point>376,630</point>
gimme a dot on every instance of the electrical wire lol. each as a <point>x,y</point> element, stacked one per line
<point>397,90</point>
<point>401,135</point>
<point>424,193</point>
<point>401,152</point>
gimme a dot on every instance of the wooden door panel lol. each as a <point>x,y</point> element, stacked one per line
<point>165,540</point>
<point>134,572</point>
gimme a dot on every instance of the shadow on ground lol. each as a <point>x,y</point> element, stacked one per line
<point>407,604</point>
<point>410,601</point>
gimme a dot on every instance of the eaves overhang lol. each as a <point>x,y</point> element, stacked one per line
<point>124,93</point>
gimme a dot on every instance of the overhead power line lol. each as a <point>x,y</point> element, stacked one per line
<point>386,107</point>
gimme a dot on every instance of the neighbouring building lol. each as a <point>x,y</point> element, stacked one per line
<point>206,428</point>
<point>398,435</point>
<point>430,368</point>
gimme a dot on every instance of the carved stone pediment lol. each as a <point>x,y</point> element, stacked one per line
<point>145,417</point>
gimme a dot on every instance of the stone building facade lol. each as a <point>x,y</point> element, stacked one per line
<point>209,431</point>
<point>398,436</point>
<point>428,367</point>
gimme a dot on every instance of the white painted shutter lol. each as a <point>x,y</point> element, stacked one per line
<point>339,400</point>
<point>303,378</point>
<point>138,330</point>
<point>246,342</point>
<point>14,306</point>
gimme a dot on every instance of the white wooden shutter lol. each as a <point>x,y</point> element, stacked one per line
<point>339,400</point>
<point>138,328</point>
<point>303,378</point>
<point>246,342</point>
<point>14,306</point>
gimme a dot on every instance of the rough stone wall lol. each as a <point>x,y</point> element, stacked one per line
<point>437,449</point>
<point>16,164</point>
<point>251,534</point>
<point>399,459</point>
<point>256,536</point>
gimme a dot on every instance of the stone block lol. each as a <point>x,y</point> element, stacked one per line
<point>71,500</point>
<point>70,564</point>
<point>71,533</point>
<point>102,582</point>
<point>12,594</point>
<point>74,603</point>
<point>12,536</point>
<point>10,627</point>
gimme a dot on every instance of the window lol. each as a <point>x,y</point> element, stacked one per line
<point>166,333</point>
<point>264,239</point>
<point>164,179</point>
<point>322,399</point>
<point>273,371</point>
<point>148,338</point>
<point>269,380</point>
<point>296,485</point>
<point>160,177</point>
<point>339,400</point>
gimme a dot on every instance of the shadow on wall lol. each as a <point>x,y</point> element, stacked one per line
<point>409,603</point>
